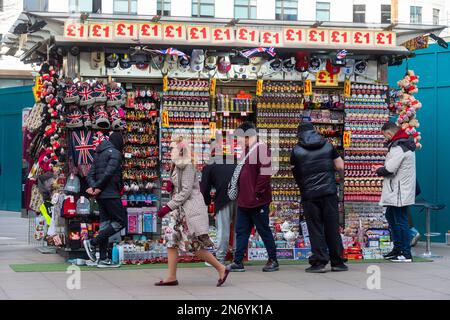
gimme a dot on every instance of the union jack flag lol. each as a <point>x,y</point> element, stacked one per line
<point>83,147</point>
<point>170,51</point>
<point>270,51</point>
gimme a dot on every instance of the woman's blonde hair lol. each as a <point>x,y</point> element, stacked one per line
<point>181,154</point>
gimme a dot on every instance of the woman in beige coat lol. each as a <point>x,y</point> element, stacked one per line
<point>189,224</point>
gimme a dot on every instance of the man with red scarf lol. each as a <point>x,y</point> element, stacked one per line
<point>399,188</point>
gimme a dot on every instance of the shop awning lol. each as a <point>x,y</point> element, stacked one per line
<point>34,45</point>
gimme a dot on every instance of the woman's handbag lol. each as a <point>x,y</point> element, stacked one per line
<point>233,186</point>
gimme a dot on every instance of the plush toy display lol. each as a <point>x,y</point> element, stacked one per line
<point>53,153</point>
<point>406,106</point>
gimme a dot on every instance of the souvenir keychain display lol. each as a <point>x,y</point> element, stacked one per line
<point>280,108</point>
<point>141,149</point>
<point>365,112</point>
<point>187,108</point>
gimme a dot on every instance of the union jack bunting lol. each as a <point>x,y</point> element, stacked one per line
<point>170,51</point>
<point>270,51</point>
<point>83,147</point>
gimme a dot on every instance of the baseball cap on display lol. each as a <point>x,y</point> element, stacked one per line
<point>184,63</point>
<point>112,60</point>
<point>349,67</point>
<point>289,64</point>
<point>197,60</point>
<point>315,64</point>
<point>360,67</point>
<point>301,61</point>
<point>125,61</point>
<point>224,64</point>
<point>211,63</point>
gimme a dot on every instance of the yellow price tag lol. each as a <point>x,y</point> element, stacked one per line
<point>325,79</point>
<point>212,130</point>
<point>212,88</point>
<point>165,119</point>
<point>347,88</point>
<point>165,83</point>
<point>307,88</point>
<point>259,87</point>
<point>347,139</point>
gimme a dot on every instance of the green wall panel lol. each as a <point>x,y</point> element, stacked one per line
<point>12,101</point>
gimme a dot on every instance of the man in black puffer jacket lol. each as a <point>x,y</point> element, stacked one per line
<point>314,163</point>
<point>105,182</point>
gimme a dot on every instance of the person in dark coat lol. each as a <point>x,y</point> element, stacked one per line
<point>314,163</point>
<point>105,183</point>
<point>217,175</point>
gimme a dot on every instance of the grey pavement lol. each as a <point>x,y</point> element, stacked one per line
<point>397,281</point>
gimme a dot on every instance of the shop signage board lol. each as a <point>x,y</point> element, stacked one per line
<point>186,34</point>
<point>326,79</point>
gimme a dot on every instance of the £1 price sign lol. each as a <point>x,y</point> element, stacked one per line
<point>165,119</point>
<point>150,31</point>
<point>75,30</point>
<point>123,30</point>
<point>99,31</point>
<point>325,79</point>
<point>317,36</point>
<point>362,38</point>
<point>174,32</point>
<point>384,38</point>
<point>198,34</point>
<point>271,38</point>
<point>340,37</point>
<point>347,139</point>
<point>247,36</point>
<point>307,88</point>
<point>222,35</point>
<point>294,36</point>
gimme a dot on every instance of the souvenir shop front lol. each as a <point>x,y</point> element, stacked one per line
<point>148,78</point>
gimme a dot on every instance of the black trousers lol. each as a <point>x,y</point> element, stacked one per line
<point>322,219</point>
<point>112,219</point>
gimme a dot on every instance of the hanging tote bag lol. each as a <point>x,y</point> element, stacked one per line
<point>233,186</point>
<point>34,119</point>
<point>36,199</point>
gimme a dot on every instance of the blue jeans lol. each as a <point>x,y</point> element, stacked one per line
<point>245,220</point>
<point>397,217</point>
